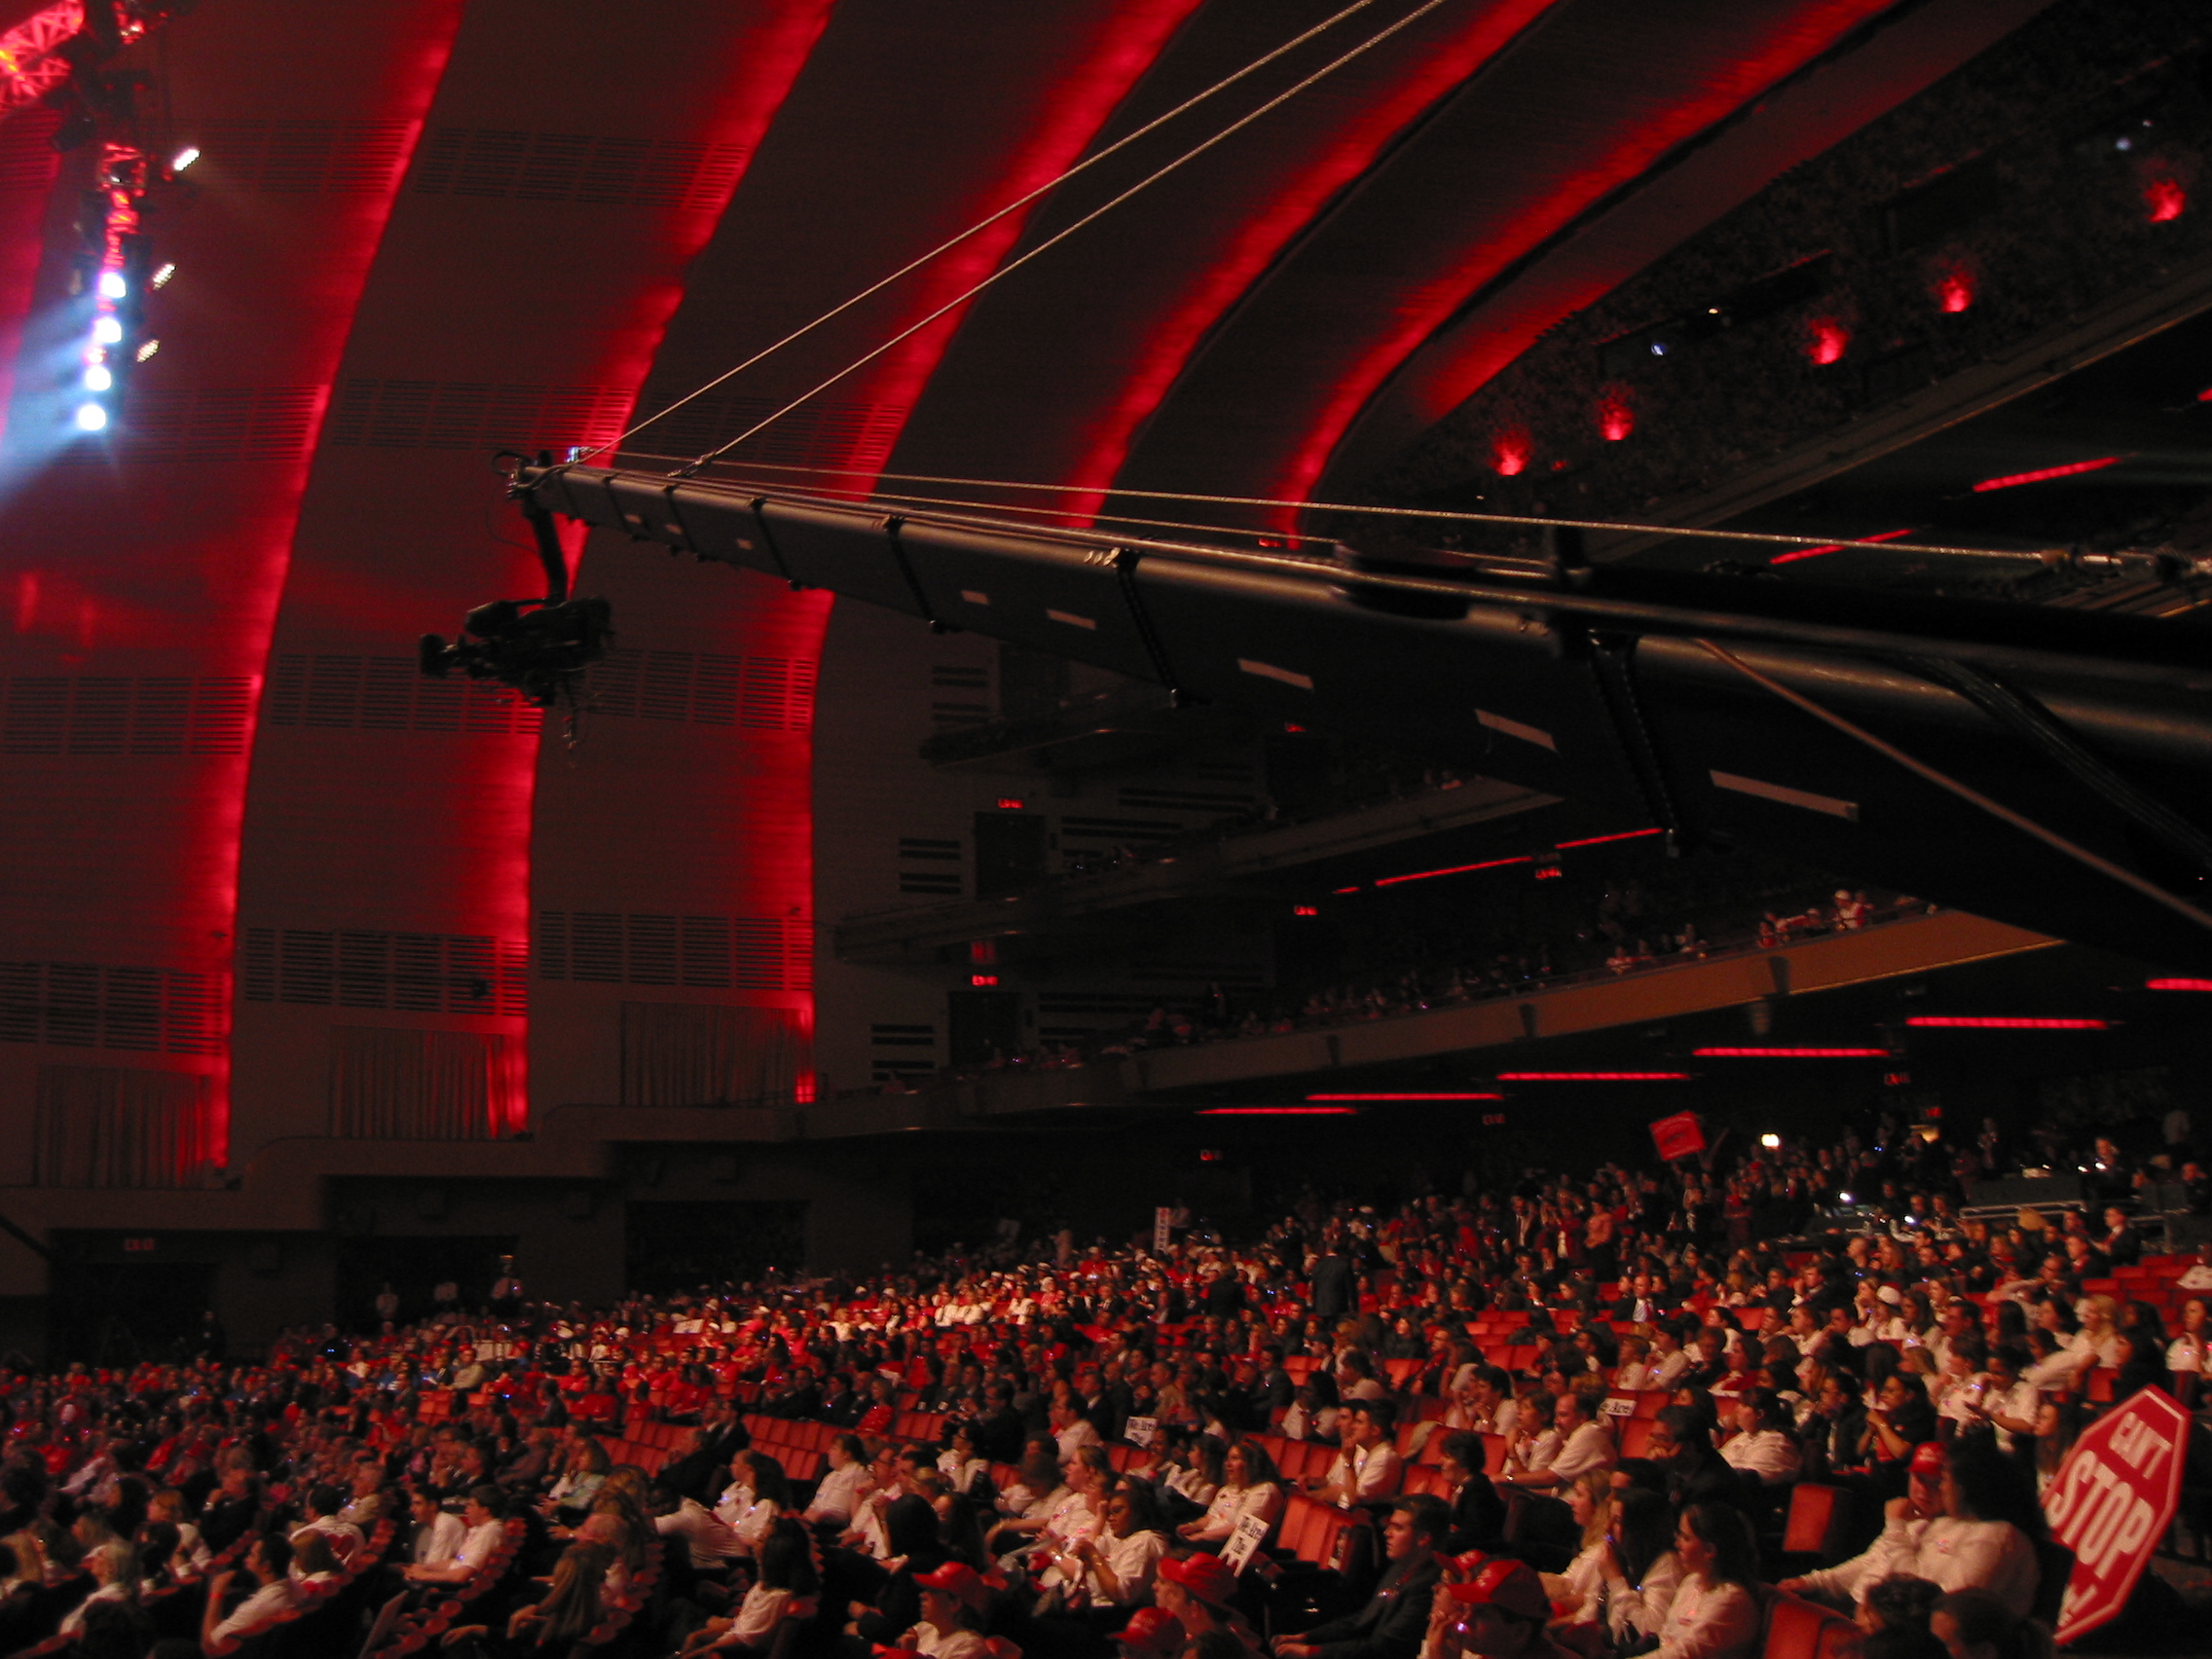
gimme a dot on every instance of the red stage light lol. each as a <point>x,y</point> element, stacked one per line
<point>1954,292</point>
<point>2177,985</point>
<point>2012,480</point>
<point>2165,199</point>
<point>1509,453</point>
<point>1455,869</point>
<point>982,978</point>
<point>2002,1023</point>
<point>1829,340</point>
<point>1353,888</point>
<point>1615,419</point>
<point>1306,910</point>
<point>1790,1054</point>
<point>1833,548</point>
<point>1397,1095</point>
<point>1600,840</point>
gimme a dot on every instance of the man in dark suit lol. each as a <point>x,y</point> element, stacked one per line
<point>1333,1291</point>
<point>1392,1623</point>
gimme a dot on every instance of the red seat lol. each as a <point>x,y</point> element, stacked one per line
<point>1817,1517</point>
<point>1796,1629</point>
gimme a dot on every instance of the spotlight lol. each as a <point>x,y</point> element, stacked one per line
<point>1770,1142</point>
<point>112,285</point>
<point>184,158</point>
<point>107,331</point>
<point>98,379</point>
<point>162,275</point>
<point>90,418</point>
<point>148,349</point>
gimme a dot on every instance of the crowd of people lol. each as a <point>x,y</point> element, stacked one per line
<point>1064,1451</point>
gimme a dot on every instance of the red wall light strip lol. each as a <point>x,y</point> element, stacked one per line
<point>1389,1095</point>
<point>2012,480</point>
<point>1593,1077</point>
<point>1456,869</point>
<point>1279,1112</point>
<point>1601,840</point>
<point>2002,1023</point>
<point>2177,985</point>
<point>1834,548</point>
<point>1790,1054</point>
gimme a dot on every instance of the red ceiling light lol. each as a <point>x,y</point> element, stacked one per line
<point>1339,891</point>
<point>2177,985</point>
<point>1453,870</point>
<point>1462,1094</point>
<point>2012,480</point>
<point>1829,341</point>
<point>1615,419</point>
<point>1601,840</point>
<point>1509,452</point>
<point>1593,1076</point>
<point>1797,1053</point>
<point>1954,290</point>
<point>1833,548</point>
<point>1279,1112</point>
<point>2002,1023</point>
<point>2165,199</point>
<point>1306,910</point>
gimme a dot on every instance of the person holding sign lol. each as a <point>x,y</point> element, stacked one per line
<point>1248,1488</point>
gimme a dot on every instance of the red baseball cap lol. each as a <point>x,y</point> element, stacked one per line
<point>1154,1631</point>
<point>1509,1586</point>
<point>1205,1576</point>
<point>956,1578</point>
<point>1929,1460</point>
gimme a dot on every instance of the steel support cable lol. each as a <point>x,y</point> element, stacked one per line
<point>1096,214</point>
<point>1770,538</point>
<point>1974,797</point>
<point>983,225</point>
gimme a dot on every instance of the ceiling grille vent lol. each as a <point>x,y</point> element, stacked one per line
<point>209,424</point>
<point>83,1005</point>
<point>348,693</point>
<point>154,715</point>
<point>705,687</point>
<point>745,953</point>
<point>296,157</point>
<point>471,415</point>
<point>840,435</point>
<point>578,168</point>
<point>348,968</point>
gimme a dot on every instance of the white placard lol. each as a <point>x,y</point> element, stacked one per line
<point>1163,1229</point>
<point>1140,1431</point>
<point>1614,1406</point>
<point>1245,1543</point>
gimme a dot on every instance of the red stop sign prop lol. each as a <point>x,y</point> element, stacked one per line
<point>2113,1501</point>
<point>1678,1136</point>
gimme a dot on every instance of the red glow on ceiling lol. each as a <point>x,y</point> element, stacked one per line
<point>2177,985</point>
<point>1509,453</point>
<point>1306,910</point>
<point>2012,480</point>
<point>1833,548</point>
<point>1353,888</point>
<point>1601,840</point>
<point>1828,342</point>
<point>1455,869</point>
<point>1799,1054</point>
<point>2002,1023</point>
<point>2165,199</point>
<point>1269,227</point>
<point>1616,420</point>
<point>31,64</point>
<point>1593,1077</point>
<point>1954,292</point>
<point>1768,57</point>
<point>1279,1112</point>
<point>1403,1094</point>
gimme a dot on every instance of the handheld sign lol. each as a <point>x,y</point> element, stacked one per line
<point>2112,1500</point>
<point>1678,1136</point>
<point>1139,1431</point>
<point>1245,1543</point>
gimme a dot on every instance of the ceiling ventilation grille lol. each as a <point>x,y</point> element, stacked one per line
<point>84,1005</point>
<point>576,167</point>
<point>425,973</point>
<point>815,433</point>
<point>154,715</point>
<point>210,424</point>
<point>473,415</point>
<point>27,159</point>
<point>706,689</point>
<point>296,157</point>
<point>743,954</point>
<point>352,693</point>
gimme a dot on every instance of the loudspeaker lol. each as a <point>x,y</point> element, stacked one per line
<point>2026,1190</point>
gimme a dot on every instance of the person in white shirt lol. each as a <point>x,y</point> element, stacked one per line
<point>1760,1447</point>
<point>485,1515</point>
<point>1670,1361</point>
<point>712,1540</point>
<point>837,1497</point>
<point>1248,1487</point>
<point>115,1573</point>
<point>268,1559</point>
<point>1715,1611</point>
<point>1117,1563</point>
<point>1582,1445</point>
<point>1367,1469</point>
<point>1071,1432</point>
<point>437,1535</point>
